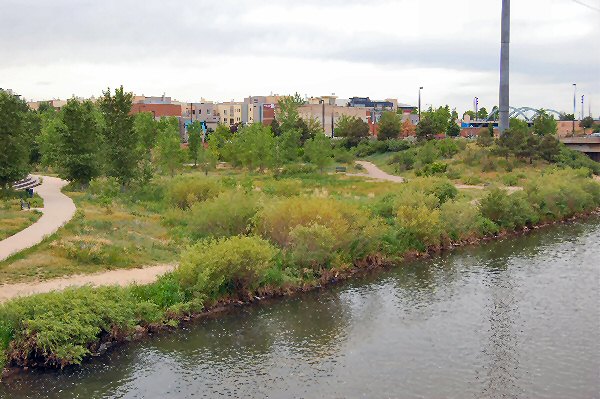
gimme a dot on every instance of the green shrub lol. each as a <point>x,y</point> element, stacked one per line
<point>165,292</point>
<point>472,180</point>
<point>227,265</point>
<point>507,211</point>
<point>342,155</point>
<point>435,168</point>
<point>421,222</point>
<point>510,180</point>
<point>90,249</point>
<point>296,170</point>
<point>459,219</point>
<point>227,215</point>
<point>404,160</point>
<point>312,246</point>
<point>61,326</point>
<point>395,145</point>
<point>183,192</point>
<point>440,187</point>
<point>283,187</point>
<point>277,219</point>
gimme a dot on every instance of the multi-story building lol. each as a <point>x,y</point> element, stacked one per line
<point>203,111</point>
<point>232,112</point>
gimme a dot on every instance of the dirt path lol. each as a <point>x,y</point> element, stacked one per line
<point>58,209</point>
<point>120,277</point>
<point>375,173</point>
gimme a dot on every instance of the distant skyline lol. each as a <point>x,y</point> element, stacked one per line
<point>228,49</point>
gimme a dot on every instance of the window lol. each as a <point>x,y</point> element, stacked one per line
<point>224,112</point>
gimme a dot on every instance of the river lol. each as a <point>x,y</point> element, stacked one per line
<point>517,318</point>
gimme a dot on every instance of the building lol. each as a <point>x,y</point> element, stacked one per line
<point>203,111</point>
<point>232,112</point>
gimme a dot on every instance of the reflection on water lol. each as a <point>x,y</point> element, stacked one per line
<point>517,318</point>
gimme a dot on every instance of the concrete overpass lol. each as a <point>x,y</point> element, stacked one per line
<point>590,146</point>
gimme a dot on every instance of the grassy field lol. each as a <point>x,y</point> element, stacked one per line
<point>12,218</point>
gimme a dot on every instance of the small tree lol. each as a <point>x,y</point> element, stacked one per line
<point>482,113</point>
<point>390,125</point>
<point>453,129</point>
<point>14,139</point>
<point>408,129</point>
<point>146,130</point>
<point>549,148</point>
<point>352,128</point>
<point>484,138</point>
<point>170,154</point>
<point>206,159</point>
<point>426,129</point>
<point>586,123</point>
<point>121,149</point>
<point>544,124</point>
<point>194,140</point>
<point>217,142</point>
<point>253,146</point>
<point>319,151</point>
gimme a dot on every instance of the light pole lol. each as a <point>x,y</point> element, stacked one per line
<point>574,107</point>
<point>420,88</point>
<point>476,107</point>
<point>582,114</point>
<point>504,67</point>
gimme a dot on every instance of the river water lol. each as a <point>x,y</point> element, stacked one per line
<point>517,318</point>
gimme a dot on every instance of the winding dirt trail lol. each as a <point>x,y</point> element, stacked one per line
<point>58,209</point>
<point>374,172</point>
<point>121,277</point>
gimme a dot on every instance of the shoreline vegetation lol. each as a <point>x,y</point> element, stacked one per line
<point>274,218</point>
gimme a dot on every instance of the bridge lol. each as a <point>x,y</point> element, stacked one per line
<point>590,146</point>
<point>528,114</point>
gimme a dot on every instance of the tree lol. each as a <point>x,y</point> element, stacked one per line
<point>426,129</point>
<point>275,128</point>
<point>170,155</point>
<point>206,159</point>
<point>471,114</point>
<point>544,124</point>
<point>440,118</point>
<point>408,129</point>
<point>453,129</point>
<point>484,138</point>
<point>195,140</point>
<point>217,142</point>
<point>146,130</point>
<point>549,148</point>
<point>352,128</point>
<point>566,117</point>
<point>287,146</point>
<point>287,112</point>
<point>78,139</point>
<point>586,123</point>
<point>482,113</point>
<point>390,125</point>
<point>121,141</point>
<point>253,146</point>
<point>319,151</point>
<point>14,139</point>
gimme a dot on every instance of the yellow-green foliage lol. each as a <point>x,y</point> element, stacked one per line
<point>89,249</point>
<point>313,245</point>
<point>228,214</point>
<point>186,191</point>
<point>277,219</point>
<point>459,219</point>
<point>234,264</point>
<point>420,221</point>
<point>283,187</point>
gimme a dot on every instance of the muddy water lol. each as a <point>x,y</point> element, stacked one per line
<point>517,318</point>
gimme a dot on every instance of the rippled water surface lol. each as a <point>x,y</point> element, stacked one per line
<point>517,318</point>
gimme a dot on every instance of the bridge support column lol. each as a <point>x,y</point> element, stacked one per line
<point>504,67</point>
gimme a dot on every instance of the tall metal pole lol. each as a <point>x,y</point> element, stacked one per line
<point>420,88</point>
<point>582,114</point>
<point>574,107</point>
<point>504,66</point>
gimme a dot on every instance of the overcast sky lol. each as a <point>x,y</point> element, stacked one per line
<point>229,49</point>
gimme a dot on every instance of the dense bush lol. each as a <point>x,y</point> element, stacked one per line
<point>460,219</point>
<point>283,187</point>
<point>227,215</point>
<point>507,211</point>
<point>313,245</point>
<point>183,192</point>
<point>232,265</point>
<point>421,223</point>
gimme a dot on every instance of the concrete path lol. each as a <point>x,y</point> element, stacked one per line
<point>375,173</point>
<point>58,209</point>
<point>121,277</point>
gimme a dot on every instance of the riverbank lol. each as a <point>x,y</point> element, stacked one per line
<point>278,245</point>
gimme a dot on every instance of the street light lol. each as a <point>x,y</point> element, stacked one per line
<point>420,88</point>
<point>476,107</point>
<point>574,107</point>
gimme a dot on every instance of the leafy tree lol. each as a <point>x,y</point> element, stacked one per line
<point>287,112</point>
<point>14,139</point>
<point>440,118</point>
<point>566,117</point>
<point>352,128</point>
<point>544,124</point>
<point>426,129</point>
<point>454,115</point>
<point>491,129</point>
<point>275,128</point>
<point>45,106</point>
<point>319,151</point>
<point>408,129</point>
<point>484,138</point>
<point>195,140</point>
<point>253,146</point>
<point>482,113</point>
<point>287,146</point>
<point>78,138</point>
<point>586,123</point>
<point>390,125</point>
<point>146,129</point>
<point>549,148</point>
<point>170,155</point>
<point>206,159</point>
<point>49,140</point>
<point>217,141</point>
<point>122,154</point>
<point>453,129</point>
<point>471,114</point>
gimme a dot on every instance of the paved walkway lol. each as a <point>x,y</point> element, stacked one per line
<point>375,173</point>
<point>58,209</point>
<point>121,277</point>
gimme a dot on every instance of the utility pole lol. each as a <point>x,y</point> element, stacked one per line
<point>582,114</point>
<point>504,66</point>
<point>420,88</point>
<point>574,107</point>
